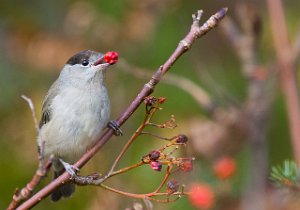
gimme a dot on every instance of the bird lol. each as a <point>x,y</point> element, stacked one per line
<point>75,111</point>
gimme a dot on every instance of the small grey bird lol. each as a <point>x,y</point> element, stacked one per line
<point>75,111</point>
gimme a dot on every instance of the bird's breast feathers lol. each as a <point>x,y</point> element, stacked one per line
<point>78,117</point>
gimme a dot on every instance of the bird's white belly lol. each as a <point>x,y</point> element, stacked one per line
<point>75,123</point>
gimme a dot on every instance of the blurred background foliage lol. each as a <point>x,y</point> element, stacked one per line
<point>37,37</point>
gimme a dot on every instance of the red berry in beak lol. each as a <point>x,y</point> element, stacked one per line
<point>111,57</point>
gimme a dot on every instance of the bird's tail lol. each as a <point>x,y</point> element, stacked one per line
<point>65,190</point>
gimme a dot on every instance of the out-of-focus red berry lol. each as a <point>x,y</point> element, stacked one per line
<point>155,165</point>
<point>111,57</point>
<point>202,196</point>
<point>224,168</point>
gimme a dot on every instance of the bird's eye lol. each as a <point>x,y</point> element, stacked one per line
<point>85,62</point>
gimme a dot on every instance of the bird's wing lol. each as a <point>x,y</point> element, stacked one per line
<point>46,110</point>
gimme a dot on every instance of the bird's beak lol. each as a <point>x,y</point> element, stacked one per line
<point>109,58</point>
<point>100,60</point>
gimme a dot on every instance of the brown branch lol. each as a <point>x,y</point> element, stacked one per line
<point>196,32</point>
<point>26,192</point>
<point>286,65</point>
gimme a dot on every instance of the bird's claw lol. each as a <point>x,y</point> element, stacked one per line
<point>71,169</point>
<point>114,125</point>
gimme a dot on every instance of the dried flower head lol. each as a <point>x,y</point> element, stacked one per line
<point>150,100</point>
<point>154,155</point>
<point>181,139</point>
<point>172,186</point>
<point>186,165</point>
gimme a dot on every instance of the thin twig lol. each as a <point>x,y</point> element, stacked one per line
<point>156,136</point>
<point>196,32</point>
<point>142,196</point>
<point>190,87</point>
<point>136,134</point>
<point>130,141</point>
<point>168,173</point>
<point>31,106</point>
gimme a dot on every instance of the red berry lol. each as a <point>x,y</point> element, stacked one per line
<point>224,168</point>
<point>202,196</point>
<point>111,57</point>
<point>155,165</point>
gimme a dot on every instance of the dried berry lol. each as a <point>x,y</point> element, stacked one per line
<point>181,139</point>
<point>186,166</point>
<point>202,196</point>
<point>162,100</point>
<point>224,168</point>
<point>172,186</point>
<point>150,100</point>
<point>155,165</point>
<point>111,57</point>
<point>154,155</point>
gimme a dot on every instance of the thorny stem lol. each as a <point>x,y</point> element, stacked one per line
<point>195,32</point>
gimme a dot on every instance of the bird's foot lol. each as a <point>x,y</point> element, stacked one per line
<point>71,169</point>
<point>116,128</point>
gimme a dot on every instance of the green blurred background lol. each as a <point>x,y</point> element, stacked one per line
<point>37,37</point>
